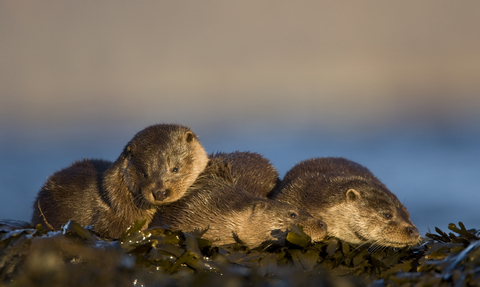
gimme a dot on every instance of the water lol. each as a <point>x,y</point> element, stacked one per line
<point>434,172</point>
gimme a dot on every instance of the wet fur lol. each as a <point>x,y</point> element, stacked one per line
<point>111,196</point>
<point>356,206</point>
<point>218,203</point>
<point>253,172</point>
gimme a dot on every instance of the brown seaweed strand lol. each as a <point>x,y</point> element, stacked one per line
<point>44,218</point>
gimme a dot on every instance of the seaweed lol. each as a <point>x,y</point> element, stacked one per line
<point>77,256</point>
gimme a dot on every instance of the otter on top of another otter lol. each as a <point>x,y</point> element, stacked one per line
<point>219,203</point>
<point>156,167</point>
<point>356,206</point>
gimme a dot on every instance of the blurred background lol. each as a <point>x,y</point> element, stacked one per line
<point>393,85</point>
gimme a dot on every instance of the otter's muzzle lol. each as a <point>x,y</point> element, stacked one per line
<point>412,231</point>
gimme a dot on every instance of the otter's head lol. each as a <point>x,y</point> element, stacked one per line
<point>370,213</point>
<point>161,162</point>
<point>269,221</point>
<point>356,209</point>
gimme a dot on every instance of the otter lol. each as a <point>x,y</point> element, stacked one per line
<point>220,207</point>
<point>156,167</point>
<point>252,171</point>
<point>356,206</point>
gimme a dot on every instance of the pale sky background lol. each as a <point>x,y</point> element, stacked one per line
<point>290,79</point>
<point>64,62</point>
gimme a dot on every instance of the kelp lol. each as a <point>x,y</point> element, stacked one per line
<point>447,260</point>
<point>77,256</point>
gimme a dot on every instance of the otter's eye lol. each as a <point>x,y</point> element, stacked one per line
<point>293,215</point>
<point>387,215</point>
<point>175,170</point>
<point>144,174</point>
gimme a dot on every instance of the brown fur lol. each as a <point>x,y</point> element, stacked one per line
<point>253,172</point>
<point>156,167</point>
<point>217,204</point>
<point>356,206</point>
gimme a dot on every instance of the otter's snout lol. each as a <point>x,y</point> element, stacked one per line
<point>316,229</point>
<point>161,195</point>
<point>412,231</point>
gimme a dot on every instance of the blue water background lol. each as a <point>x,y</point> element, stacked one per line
<point>434,171</point>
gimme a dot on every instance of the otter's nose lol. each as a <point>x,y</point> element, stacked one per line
<point>412,231</point>
<point>161,195</point>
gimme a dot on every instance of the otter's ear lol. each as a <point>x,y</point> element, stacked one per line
<point>189,137</point>
<point>352,195</point>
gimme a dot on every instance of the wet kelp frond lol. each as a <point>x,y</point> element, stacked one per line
<point>77,256</point>
<point>446,260</point>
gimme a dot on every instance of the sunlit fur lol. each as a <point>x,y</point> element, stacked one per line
<point>151,158</point>
<point>253,172</point>
<point>111,196</point>
<point>356,206</point>
<point>217,204</point>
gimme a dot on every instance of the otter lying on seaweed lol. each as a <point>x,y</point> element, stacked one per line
<point>219,205</point>
<point>156,167</point>
<point>356,206</point>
